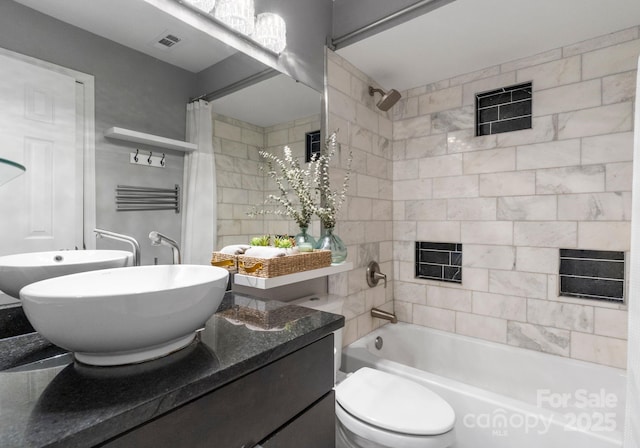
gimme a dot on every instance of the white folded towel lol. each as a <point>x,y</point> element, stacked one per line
<point>235,249</point>
<point>265,252</point>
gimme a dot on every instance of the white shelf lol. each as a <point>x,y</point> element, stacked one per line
<point>149,139</point>
<point>273,282</point>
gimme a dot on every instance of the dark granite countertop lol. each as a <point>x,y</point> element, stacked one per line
<point>75,405</point>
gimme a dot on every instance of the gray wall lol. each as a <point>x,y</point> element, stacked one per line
<point>308,28</point>
<point>133,91</point>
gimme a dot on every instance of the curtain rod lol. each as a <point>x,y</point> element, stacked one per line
<point>384,23</point>
<point>238,85</point>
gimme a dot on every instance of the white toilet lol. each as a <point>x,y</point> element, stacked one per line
<point>376,409</point>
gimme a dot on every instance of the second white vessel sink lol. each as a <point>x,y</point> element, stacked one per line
<point>125,315</point>
<point>19,270</point>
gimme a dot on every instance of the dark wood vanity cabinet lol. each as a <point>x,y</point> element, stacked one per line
<point>287,403</point>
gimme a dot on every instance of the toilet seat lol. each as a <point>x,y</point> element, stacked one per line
<point>394,403</point>
<point>383,438</point>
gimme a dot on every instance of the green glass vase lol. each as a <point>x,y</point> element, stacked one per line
<point>332,242</point>
<point>304,237</point>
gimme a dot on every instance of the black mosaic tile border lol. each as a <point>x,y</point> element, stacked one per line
<point>592,274</point>
<point>504,110</point>
<point>439,261</point>
<point>312,145</point>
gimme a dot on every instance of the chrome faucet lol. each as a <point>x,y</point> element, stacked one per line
<point>158,239</point>
<point>381,314</point>
<point>100,233</point>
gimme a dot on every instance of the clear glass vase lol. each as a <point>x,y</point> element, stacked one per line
<point>332,242</point>
<point>304,237</point>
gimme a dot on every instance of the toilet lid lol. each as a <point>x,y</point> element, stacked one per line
<point>394,403</point>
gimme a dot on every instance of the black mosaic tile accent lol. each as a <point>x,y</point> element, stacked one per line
<point>484,129</point>
<point>439,261</point>
<point>591,288</point>
<point>514,124</point>
<point>592,254</point>
<point>312,145</point>
<point>434,257</point>
<point>504,110</point>
<point>592,274</point>
<point>488,114</point>
<point>449,247</point>
<point>593,268</point>
<point>515,110</point>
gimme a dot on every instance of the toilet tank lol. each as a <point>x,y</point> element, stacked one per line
<point>330,304</point>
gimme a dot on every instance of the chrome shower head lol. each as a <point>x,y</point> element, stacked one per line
<point>388,99</point>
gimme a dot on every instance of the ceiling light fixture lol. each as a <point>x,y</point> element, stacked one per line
<point>203,5</point>
<point>238,14</point>
<point>271,32</point>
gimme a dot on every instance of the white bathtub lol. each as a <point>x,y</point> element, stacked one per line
<point>503,396</point>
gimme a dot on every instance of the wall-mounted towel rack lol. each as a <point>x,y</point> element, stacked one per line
<point>130,198</point>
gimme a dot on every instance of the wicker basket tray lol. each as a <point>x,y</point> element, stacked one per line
<point>289,264</point>
<point>226,261</point>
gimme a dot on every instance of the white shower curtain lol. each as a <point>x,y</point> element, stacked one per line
<point>632,417</point>
<point>199,206</point>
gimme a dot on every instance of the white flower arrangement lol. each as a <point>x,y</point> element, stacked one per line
<point>288,175</point>
<point>311,186</point>
<point>330,200</point>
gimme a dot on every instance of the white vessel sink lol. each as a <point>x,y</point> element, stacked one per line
<point>125,315</point>
<point>19,270</point>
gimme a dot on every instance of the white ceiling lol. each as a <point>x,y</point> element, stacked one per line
<point>469,35</point>
<point>461,37</point>
<point>277,100</point>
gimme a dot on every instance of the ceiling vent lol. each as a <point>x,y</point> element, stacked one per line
<point>166,41</point>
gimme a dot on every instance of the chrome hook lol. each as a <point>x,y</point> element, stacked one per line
<point>149,161</point>
<point>162,160</point>
<point>136,156</point>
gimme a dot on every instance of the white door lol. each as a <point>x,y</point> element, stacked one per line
<point>38,130</point>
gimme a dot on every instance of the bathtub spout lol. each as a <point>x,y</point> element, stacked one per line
<point>380,314</point>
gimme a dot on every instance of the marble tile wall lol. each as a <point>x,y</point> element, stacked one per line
<point>240,179</point>
<point>514,199</point>
<point>366,220</point>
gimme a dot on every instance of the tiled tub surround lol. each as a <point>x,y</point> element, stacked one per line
<point>514,199</point>
<point>72,404</point>
<point>365,221</point>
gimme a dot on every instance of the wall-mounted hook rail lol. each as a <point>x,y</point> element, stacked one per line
<point>150,160</point>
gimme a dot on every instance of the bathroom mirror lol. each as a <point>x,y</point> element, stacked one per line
<point>281,113</point>
<point>264,105</point>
